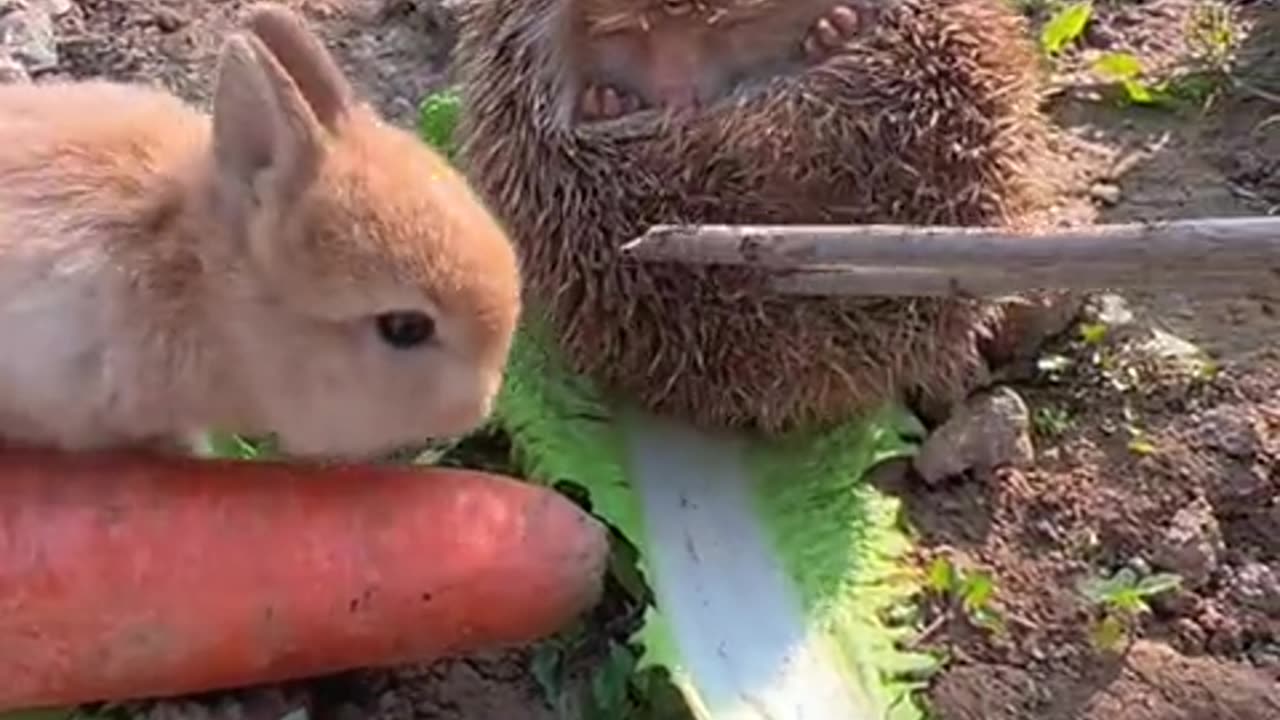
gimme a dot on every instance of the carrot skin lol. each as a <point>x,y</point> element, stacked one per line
<point>128,576</point>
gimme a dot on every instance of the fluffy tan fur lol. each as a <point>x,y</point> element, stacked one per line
<point>162,272</point>
<point>929,116</point>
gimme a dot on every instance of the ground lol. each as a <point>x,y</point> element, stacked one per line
<point>1154,469</point>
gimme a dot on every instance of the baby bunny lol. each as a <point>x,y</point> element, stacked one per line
<point>293,265</point>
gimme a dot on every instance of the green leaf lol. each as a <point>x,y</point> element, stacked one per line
<point>1129,602</point>
<point>1158,583</point>
<point>229,446</point>
<point>988,620</point>
<point>1065,26</point>
<point>438,117</point>
<point>1138,93</point>
<point>1104,590</point>
<point>624,567</point>
<point>941,576</point>
<point>1108,633</point>
<point>610,682</point>
<point>545,668</point>
<point>1093,333</point>
<point>1118,66</point>
<point>978,589</point>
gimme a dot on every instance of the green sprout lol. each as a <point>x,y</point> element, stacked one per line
<point>1122,600</point>
<point>1212,38</point>
<point>1065,27</point>
<point>1093,334</point>
<point>968,592</point>
<point>1051,421</point>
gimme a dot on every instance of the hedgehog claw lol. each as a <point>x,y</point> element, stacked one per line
<point>831,34</point>
<point>602,102</point>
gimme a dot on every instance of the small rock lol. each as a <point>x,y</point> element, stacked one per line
<point>168,20</point>
<point>1174,353</point>
<point>988,431</point>
<point>1109,309</point>
<point>1257,586</point>
<point>1027,325</point>
<point>1190,636</point>
<point>1230,430</point>
<point>1179,602</point>
<point>27,34</point>
<point>1227,639</point>
<point>1265,655</point>
<point>1139,565</point>
<point>1107,194</point>
<point>55,7</point>
<point>1192,545</point>
<point>1225,634</point>
<point>12,71</point>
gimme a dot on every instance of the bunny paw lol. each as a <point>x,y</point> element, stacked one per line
<point>831,34</point>
<point>602,102</point>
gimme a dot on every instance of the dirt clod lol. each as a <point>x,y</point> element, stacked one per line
<point>1157,682</point>
<point>1231,431</point>
<point>27,34</point>
<point>12,71</point>
<point>989,431</point>
<point>1191,545</point>
<point>1257,586</point>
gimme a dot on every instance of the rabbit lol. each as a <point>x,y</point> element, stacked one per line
<point>289,264</point>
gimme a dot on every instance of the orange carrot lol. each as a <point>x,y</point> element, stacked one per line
<point>126,576</point>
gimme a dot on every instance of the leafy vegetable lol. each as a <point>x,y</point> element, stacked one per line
<point>772,564</point>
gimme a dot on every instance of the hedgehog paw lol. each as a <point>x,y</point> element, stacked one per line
<point>602,102</point>
<point>831,33</point>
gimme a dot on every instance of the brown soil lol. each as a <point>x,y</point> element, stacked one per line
<point>1090,504</point>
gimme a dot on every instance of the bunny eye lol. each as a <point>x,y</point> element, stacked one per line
<point>407,329</point>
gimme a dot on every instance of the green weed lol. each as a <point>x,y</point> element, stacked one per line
<point>1093,334</point>
<point>1120,601</point>
<point>1212,40</point>
<point>967,592</point>
<point>1065,26</point>
<point>1051,421</point>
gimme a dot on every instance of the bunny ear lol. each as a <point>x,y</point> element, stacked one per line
<point>262,125</point>
<point>305,58</point>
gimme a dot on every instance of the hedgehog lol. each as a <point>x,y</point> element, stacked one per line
<point>589,121</point>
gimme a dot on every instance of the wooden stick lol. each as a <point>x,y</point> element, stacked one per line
<point>918,282</point>
<point>1185,247</point>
